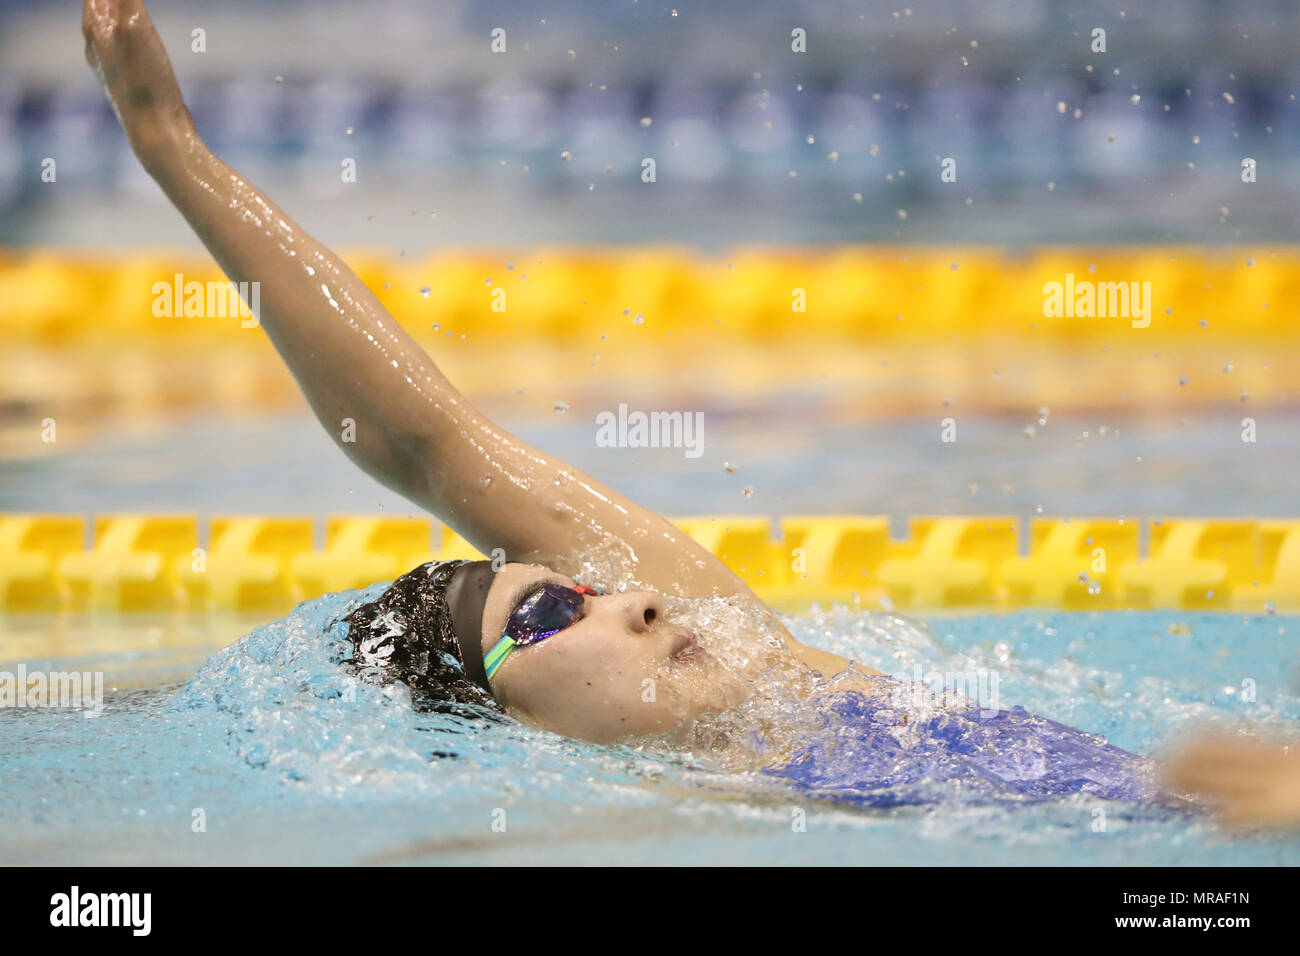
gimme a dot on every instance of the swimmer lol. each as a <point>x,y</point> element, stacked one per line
<point>527,637</point>
<point>416,434</point>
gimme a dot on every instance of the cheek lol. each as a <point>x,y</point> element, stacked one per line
<point>597,689</point>
<point>594,664</point>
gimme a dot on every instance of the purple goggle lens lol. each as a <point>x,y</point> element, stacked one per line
<point>548,610</point>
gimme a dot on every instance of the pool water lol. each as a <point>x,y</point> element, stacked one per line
<point>260,756</point>
<point>272,753</point>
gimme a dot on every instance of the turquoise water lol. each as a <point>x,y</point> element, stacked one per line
<point>284,759</point>
<point>285,769</point>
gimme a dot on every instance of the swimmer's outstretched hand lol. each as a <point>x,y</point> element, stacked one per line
<point>1249,783</point>
<point>127,55</point>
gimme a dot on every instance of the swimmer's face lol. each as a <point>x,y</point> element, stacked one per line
<point>620,671</point>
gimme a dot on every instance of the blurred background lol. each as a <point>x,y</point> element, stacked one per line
<point>1054,143</point>
<point>774,170</point>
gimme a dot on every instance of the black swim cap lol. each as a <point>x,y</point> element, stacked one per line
<point>466,596</point>
<point>426,631</point>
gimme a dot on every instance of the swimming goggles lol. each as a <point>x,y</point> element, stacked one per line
<point>546,611</point>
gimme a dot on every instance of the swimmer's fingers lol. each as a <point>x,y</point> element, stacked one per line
<point>98,20</point>
<point>106,25</point>
<point>128,55</point>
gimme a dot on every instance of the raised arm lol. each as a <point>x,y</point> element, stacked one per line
<point>414,432</point>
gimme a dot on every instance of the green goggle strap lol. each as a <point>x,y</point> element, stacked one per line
<point>494,658</point>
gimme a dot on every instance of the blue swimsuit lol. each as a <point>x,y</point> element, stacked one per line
<point>872,754</point>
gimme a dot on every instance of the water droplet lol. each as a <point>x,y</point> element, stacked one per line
<point>561,407</point>
<point>425,291</point>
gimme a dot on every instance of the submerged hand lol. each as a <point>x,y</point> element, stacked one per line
<point>1248,782</point>
<point>127,55</point>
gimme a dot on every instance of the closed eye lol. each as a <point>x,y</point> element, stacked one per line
<point>520,596</point>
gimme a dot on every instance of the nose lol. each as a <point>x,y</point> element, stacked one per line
<point>641,610</point>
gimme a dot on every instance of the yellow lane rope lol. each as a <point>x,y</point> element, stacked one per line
<point>240,563</point>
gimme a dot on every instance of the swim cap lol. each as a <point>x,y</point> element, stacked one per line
<point>466,596</point>
<point>426,631</point>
